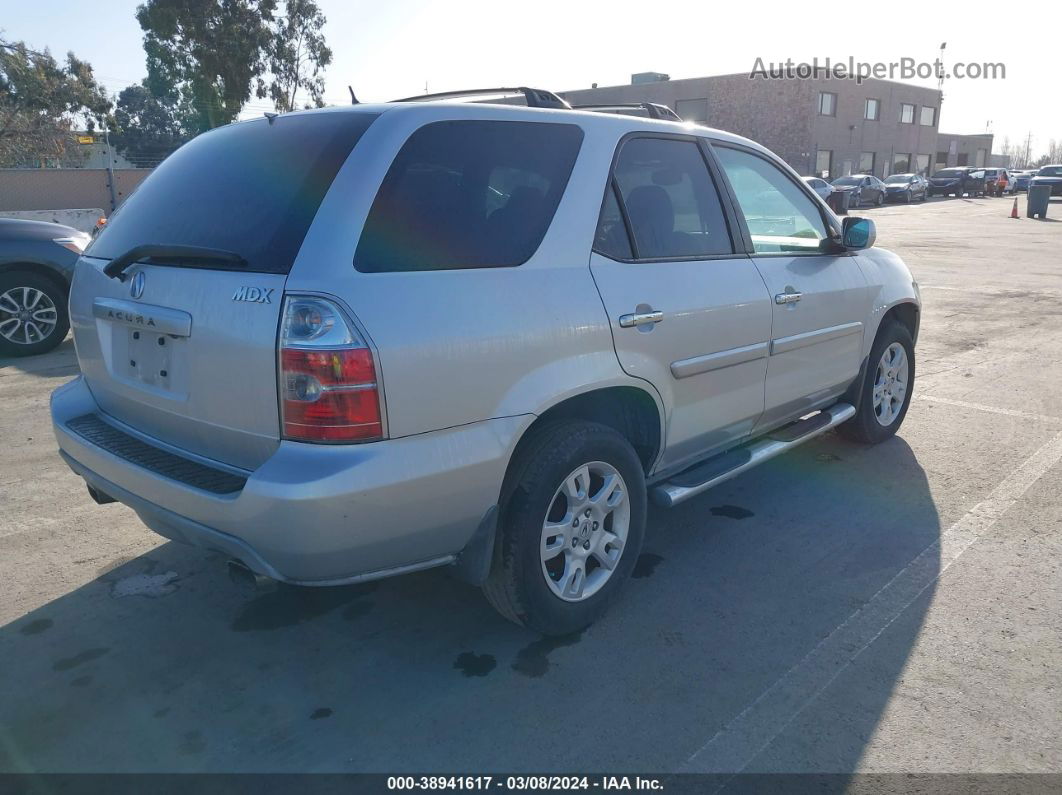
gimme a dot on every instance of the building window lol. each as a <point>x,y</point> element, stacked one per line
<point>823,160</point>
<point>942,159</point>
<point>907,114</point>
<point>964,159</point>
<point>923,164</point>
<point>928,116</point>
<point>827,104</point>
<point>871,109</point>
<point>901,163</point>
<point>866,163</point>
<point>692,109</point>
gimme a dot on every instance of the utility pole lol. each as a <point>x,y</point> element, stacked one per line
<point>940,71</point>
<point>110,168</point>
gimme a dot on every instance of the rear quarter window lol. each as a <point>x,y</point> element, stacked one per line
<point>468,194</point>
<point>252,188</point>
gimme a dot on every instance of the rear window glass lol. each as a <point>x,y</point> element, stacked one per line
<point>251,188</point>
<point>468,194</point>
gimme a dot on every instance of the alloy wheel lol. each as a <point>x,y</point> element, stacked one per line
<point>27,315</point>
<point>890,384</point>
<point>585,530</point>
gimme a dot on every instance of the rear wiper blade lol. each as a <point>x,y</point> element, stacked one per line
<point>117,267</point>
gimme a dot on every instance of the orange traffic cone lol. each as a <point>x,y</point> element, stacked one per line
<point>1014,209</point>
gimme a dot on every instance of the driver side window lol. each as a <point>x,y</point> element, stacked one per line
<point>781,218</point>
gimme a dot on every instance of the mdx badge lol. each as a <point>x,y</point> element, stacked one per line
<point>256,295</point>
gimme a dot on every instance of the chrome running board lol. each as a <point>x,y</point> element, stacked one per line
<point>720,468</point>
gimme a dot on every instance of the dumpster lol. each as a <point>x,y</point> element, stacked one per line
<point>838,201</point>
<point>1039,198</point>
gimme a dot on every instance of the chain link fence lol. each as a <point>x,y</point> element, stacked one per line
<point>67,188</point>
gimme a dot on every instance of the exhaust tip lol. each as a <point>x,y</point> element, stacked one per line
<point>99,497</point>
<point>246,579</point>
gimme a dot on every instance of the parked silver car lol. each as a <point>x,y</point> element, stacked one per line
<point>820,186</point>
<point>343,344</point>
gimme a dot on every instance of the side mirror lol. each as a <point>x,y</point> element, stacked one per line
<point>858,233</point>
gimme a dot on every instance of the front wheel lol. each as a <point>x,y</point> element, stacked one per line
<point>880,200</point>
<point>33,317</point>
<point>887,387</point>
<point>571,530</point>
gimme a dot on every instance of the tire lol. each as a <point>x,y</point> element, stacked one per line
<point>865,426</point>
<point>48,322</point>
<point>880,200</point>
<point>517,586</point>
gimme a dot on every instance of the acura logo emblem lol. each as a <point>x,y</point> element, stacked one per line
<point>136,287</point>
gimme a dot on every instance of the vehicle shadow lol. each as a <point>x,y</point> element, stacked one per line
<point>58,363</point>
<point>161,664</point>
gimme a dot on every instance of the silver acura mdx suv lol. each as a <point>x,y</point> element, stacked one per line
<point>348,343</point>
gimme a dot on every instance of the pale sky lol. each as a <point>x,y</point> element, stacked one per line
<point>391,49</point>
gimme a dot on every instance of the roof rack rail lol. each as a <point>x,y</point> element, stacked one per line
<point>652,109</point>
<point>536,97</point>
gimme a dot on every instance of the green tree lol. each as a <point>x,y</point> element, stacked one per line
<point>209,53</point>
<point>148,128</point>
<point>297,56</point>
<point>41,102</point>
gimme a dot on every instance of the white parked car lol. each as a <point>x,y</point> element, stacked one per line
<point>820,186</point>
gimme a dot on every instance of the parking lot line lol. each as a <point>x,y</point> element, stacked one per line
<point>734,747</point>
<point>1003,291</point>
<point>991,409</point>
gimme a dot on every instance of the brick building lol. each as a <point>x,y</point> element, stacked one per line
<point>819,126</point>
<point>965,150</point>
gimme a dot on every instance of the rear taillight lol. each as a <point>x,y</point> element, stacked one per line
<point>328,386</point>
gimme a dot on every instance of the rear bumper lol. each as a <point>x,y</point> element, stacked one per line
<point>317,514</point>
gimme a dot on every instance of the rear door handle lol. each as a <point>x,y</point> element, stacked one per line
<point>788,298</point>
<point>640,319</point>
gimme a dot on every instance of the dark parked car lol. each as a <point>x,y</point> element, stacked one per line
<point>864,189</point>
<point>957,181</point>
<point>1021,179</point>
<point>36,265</point>
<point>1049,175</point>
<point>906,188</point>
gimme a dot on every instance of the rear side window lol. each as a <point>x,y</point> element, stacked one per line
<point>468,194</point>
<point>671,201</point>
<point>252,188</point>
<point>611,239</point>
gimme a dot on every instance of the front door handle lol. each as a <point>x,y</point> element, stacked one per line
<point>788,298</point>
<point>640,319</point>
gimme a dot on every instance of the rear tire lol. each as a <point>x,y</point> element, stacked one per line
<point>33,314</point>
<point>888,383</point>
<point>546,535</point>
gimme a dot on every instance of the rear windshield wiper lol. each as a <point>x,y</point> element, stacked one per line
<point>117,267</point>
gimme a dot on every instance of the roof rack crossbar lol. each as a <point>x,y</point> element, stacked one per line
<point>536,97</point>
<point>652,109</point>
